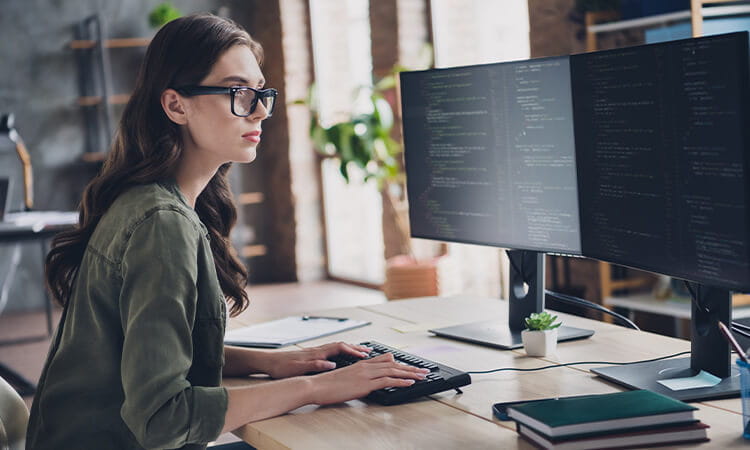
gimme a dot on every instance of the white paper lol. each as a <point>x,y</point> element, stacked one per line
<point>703,379</point>
<point>289,330</point>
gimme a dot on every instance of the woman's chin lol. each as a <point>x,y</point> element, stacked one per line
<point>248,156</point>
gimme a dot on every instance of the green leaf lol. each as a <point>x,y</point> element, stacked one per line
<point>364,139</point>
<point>342,140</point>
<point>319,136</point>
<point>343,170</point>
<point>385,83</point>
<point>541,321</point>
<point>320,140</point>
<point>360,154</point>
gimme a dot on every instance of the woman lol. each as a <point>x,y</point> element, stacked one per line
<point>138,357</point>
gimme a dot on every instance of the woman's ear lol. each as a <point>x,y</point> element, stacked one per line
<point>173,106</point>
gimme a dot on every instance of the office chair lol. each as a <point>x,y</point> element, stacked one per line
<point>14,417</point>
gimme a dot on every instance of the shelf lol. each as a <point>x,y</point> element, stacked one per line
<point>250,251</point>
<point>661,19</point>
<point>93,157</point>
<point>250,198</point>
<point>117,99</point>
<point>111,43</point>
<point>678,308</point>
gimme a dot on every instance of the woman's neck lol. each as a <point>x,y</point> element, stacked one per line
<point>193,175</point>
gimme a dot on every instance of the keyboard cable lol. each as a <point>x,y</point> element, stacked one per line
<point>577,363</point>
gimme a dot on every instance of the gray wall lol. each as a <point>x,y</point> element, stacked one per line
<point>39,84</point>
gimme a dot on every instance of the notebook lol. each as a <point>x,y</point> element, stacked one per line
<point>606,412</point>
<point>290,330</point>
<point>695,432</point>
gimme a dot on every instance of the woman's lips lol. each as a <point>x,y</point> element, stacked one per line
<point>253,136</point>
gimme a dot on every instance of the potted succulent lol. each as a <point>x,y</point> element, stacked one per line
<point>540,336</point>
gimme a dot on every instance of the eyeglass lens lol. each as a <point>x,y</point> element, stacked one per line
<point>244,99</point>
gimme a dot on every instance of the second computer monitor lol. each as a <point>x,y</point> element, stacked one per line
<point>662,154</point>
<point>490,155</point>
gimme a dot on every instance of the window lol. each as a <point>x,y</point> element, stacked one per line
<point>341,51</point>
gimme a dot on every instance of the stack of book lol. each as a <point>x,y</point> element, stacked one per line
<point>619,420</point>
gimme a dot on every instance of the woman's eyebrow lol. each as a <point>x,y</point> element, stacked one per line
<point>241,80</point>
<point>234,78</point>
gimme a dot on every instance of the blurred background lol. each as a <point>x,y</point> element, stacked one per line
<point>322,220</point>
<point>68,68</point>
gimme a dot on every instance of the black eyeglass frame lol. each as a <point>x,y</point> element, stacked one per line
<point>219,90</point>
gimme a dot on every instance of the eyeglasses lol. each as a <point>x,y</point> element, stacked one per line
<point>244,99</point>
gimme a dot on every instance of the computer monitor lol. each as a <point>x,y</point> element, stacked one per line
<point>490,155</point>
<point>490,159</point>
<point>652,176</point>
<point>660,147</point>
<point>662,157</point>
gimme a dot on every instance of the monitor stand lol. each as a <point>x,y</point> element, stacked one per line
<point>709,352</point>
<point>526,297</point>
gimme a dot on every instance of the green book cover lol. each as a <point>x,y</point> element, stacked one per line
<point>598,408</point>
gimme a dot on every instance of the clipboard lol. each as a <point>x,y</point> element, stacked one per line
<point>289,330</point>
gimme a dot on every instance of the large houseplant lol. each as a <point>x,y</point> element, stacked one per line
<point>366,141</point>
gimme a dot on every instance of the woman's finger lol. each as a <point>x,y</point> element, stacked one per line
<point>408,372</point>
<point>359,351</point>
<point>395,372</point>
<point>387,360</point>
<point>320,365</point>
<point>356,349</point>
<point>337,348</point>
<point>393,382</point>
<point>386,357</point>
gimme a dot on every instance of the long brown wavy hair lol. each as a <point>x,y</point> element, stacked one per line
<point>147,147</point>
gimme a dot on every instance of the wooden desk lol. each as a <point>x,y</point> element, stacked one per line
<point>449,420</point>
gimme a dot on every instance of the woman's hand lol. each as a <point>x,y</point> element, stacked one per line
<point>363,377</point>
<point>315,359</point>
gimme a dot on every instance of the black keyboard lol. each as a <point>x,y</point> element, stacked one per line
<point>441,377</point>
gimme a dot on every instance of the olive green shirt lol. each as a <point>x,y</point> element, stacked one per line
<point>138,355</point>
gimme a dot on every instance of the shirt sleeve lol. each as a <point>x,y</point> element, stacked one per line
<point>157,307</point>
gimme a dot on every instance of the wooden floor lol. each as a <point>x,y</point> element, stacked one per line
<point>267,302</point>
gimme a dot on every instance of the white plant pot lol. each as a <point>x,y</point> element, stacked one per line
<point>539,343</point>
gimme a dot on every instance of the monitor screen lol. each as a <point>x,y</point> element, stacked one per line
<point>635,156</point>
<point>661,150</point>
<point>489,153</point>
